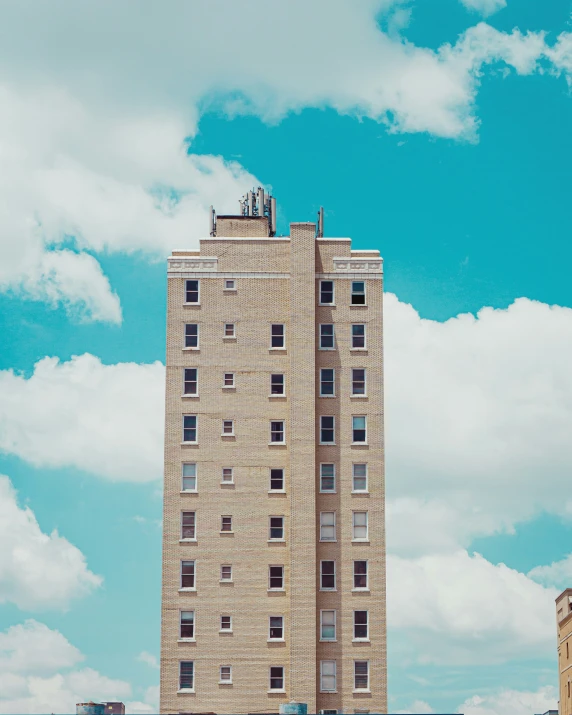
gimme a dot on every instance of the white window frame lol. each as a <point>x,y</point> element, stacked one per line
<point>360,588</point>
<point>322,514</point>
<point>366,689</point>
<point>278,394</point>
<point>190,382</point>
<point>363,639</point>
<point>193,538</point>
<point>327,280</point>
<point>335,624</point>
<point>335,587</point>
<point>198,301</point>
<point>276,690</point>
<point>328,464</point>
<point>232,384</point>
<point>227,481</point>
<point>232,282</point>
<point>187,476</point>
<point>187,639</point>
<point>332,382</point>
<point>364,336</point>
<point>281,538</point>
<point>360,538</point>
<point>222,579</point>
<point>196,428</point>
<point>225,630</point>
<point>359,394</point>
<point>274,588</point>
<point>360,491</point>
<point>283,432</point>
<point>227,434</point>
<point>225,681</point>
<point>226,531</point>
<point>277,491</point>
<point>186,690</point>
<point>194,586</point>
<point>191,347</point>
<point>229,336</point>
<point>352,293</point>
<point>271,639</point>
<point>329,675</point>
<point>320,347</point>
<point>353,429</point>
<point>334,431</point>
<point>283,346</point>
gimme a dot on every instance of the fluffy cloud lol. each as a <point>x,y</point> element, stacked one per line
<point>557,574</point>
<point>34,649</point>
<point>514,702</point>
<point>37,572</point>
<point>484,7</point>
<point>105,419</point>
<point>149,659</point>
<point>475,608</point>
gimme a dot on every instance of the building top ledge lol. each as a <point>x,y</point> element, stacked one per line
<point>270,239</point>
<point>566,590</point>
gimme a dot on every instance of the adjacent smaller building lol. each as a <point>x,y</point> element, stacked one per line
<point>108,708</point>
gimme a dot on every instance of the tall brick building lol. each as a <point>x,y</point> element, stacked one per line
<point>274,537</point>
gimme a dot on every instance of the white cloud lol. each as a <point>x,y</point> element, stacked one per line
<point>105,419</point>
<point>418,707</point>
<point>147,707</point>
<point>557,574</point>
<point>37,571</point>
<point>149,659</point>
<point>484,7</point>
<point>514,702</point>
<point>35,649</point>
<point>457,608</point>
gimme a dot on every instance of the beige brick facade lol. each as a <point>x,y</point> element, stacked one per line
<point>276,281</point>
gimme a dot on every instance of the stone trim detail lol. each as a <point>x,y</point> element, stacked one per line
<point>356,265</point>
<point>192,263</point>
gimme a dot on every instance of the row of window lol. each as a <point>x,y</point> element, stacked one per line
<point>328,678</point>
<point>326,293</point>
<point>278,382</point>
<point>326,335</point>
<point>277,484</point>
<point>276,577</point>
<point>276,526</point>
<point>327,434</point>
<point>328,626</point>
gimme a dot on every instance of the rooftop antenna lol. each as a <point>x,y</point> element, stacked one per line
<point>272,216</point>
<point>212,221</point>
<point>260,197</point>
<point>320,226</point>
<point>250,204</point>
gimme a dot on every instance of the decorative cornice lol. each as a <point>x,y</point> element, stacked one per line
<point>188,263</point>
<point>358,265</point>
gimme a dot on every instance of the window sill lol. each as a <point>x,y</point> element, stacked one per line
<point>358,350</point>
<point>275,691</point>
<point>227,484</point>
<point>229,337</point>
<point>226,580</point>
<point>186,690</point>
<point>230,533</point>
<point>195,304</point>
<point>277,491</point>
<point>328,640</point>
<point>327,491</point>
<point>331,692</point>
<point>276,444</point>
<point>360,541</point>
<point>360,492</point>
<point>187,541</point>
<point>358,305</point>
<point>273,397</point>
<point>361,640</point>
<point>326,305</point>
<point>186,640</point>
<point>228,387</point>
<point>191,349</point>
<point>225,682</point>
<point>230,290</point>
<point>328,541</point>
<point>277,350</point>
<point>326,396</point>
<point>189,491</point>
<point>328,590</point>
<point>229,435</point>
<point>225,631</point>
<point>359,444</point>
<point>330,349</point>
<point>327,444</point>
<point>187,590</point>
<point>276,590</point>
<point>361,690</point>
<point>276,541</point>
<point>189,395</point>
<point>358,397</point>
<point>360,590</point>
<point>189,444</point>
<point>275,640</point>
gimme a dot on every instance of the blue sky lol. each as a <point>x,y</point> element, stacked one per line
<point>436,132</point>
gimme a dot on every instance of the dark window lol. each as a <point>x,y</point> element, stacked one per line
<point>187,624</point>
<point>327,336</point>
<point>359,429</point>
<point>276,479</point>
<point>326,292</point>
<point>187,574</point>
<point>276,527</point>
<point>192,291</point>
<point>360,574</point>
<point>186,675</point>
<point>277,336</point>
<point>189,428</point>
<point>327,380</point>
<point>191,335</point>
<point>328,575</point>
<point>225,623</point>
<point>226,523</point>
<point>276,627</point>
<point>327,477</point>
<point>358,381</point>
<point>361,675</point>
<point>358,335</point>
<point>360,624</point>
<point>191,383</point>
<point>276,384</point>
<point>188,525</point>
<point>358,293</point>
<point>277,431</point>
<point>327,430</point>
<point>276,575</point>
<point>276,678</point>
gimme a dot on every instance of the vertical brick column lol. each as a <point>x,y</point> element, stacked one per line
<point>302,465</point>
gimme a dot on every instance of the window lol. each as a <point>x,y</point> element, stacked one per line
<point>191,335</point>
<point>187,624</point>
<point>358,293</point>
<point>227,475</point>
<point>326,292</point>
<point>358,336</point>
<point>187,574</point>
<point>327,381</point>
<point>360,574</point>
<point>228,380</point>
<point>226,623</point>
<point>229,284</point>
<point>328,712</point>
<point>276,677</point>
<point>277,384</point>
<point>327,625</point>
<point>189,477</point>
<point>276,527</point>
<point>567,653</point>
<point>277,432</point>
<point>361,626</point>
<point>225,674</point>
<point>190,381</point>
<point>327,526</point>
<point>226,573</point>
<point>189,428</point>
<point>360,525</point>
<point>358,381</point>
<point>191,291</point>
<point>327,430</point>
<point>359,477</point>
<point>327,477</point>
<point>226,523</point>
<point>327,575</point>
<point>328,677</point>
<point>276,577</point>
<point>361,674</point>
<point>188,530</point>
<point>359,429</point>
<point>277,336</point>
<point>276,480</point>
<point>186,674</point>
<point>276,628</point>
<point>229,330</point>
<point>228,428</point>
<point>327,336</point>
